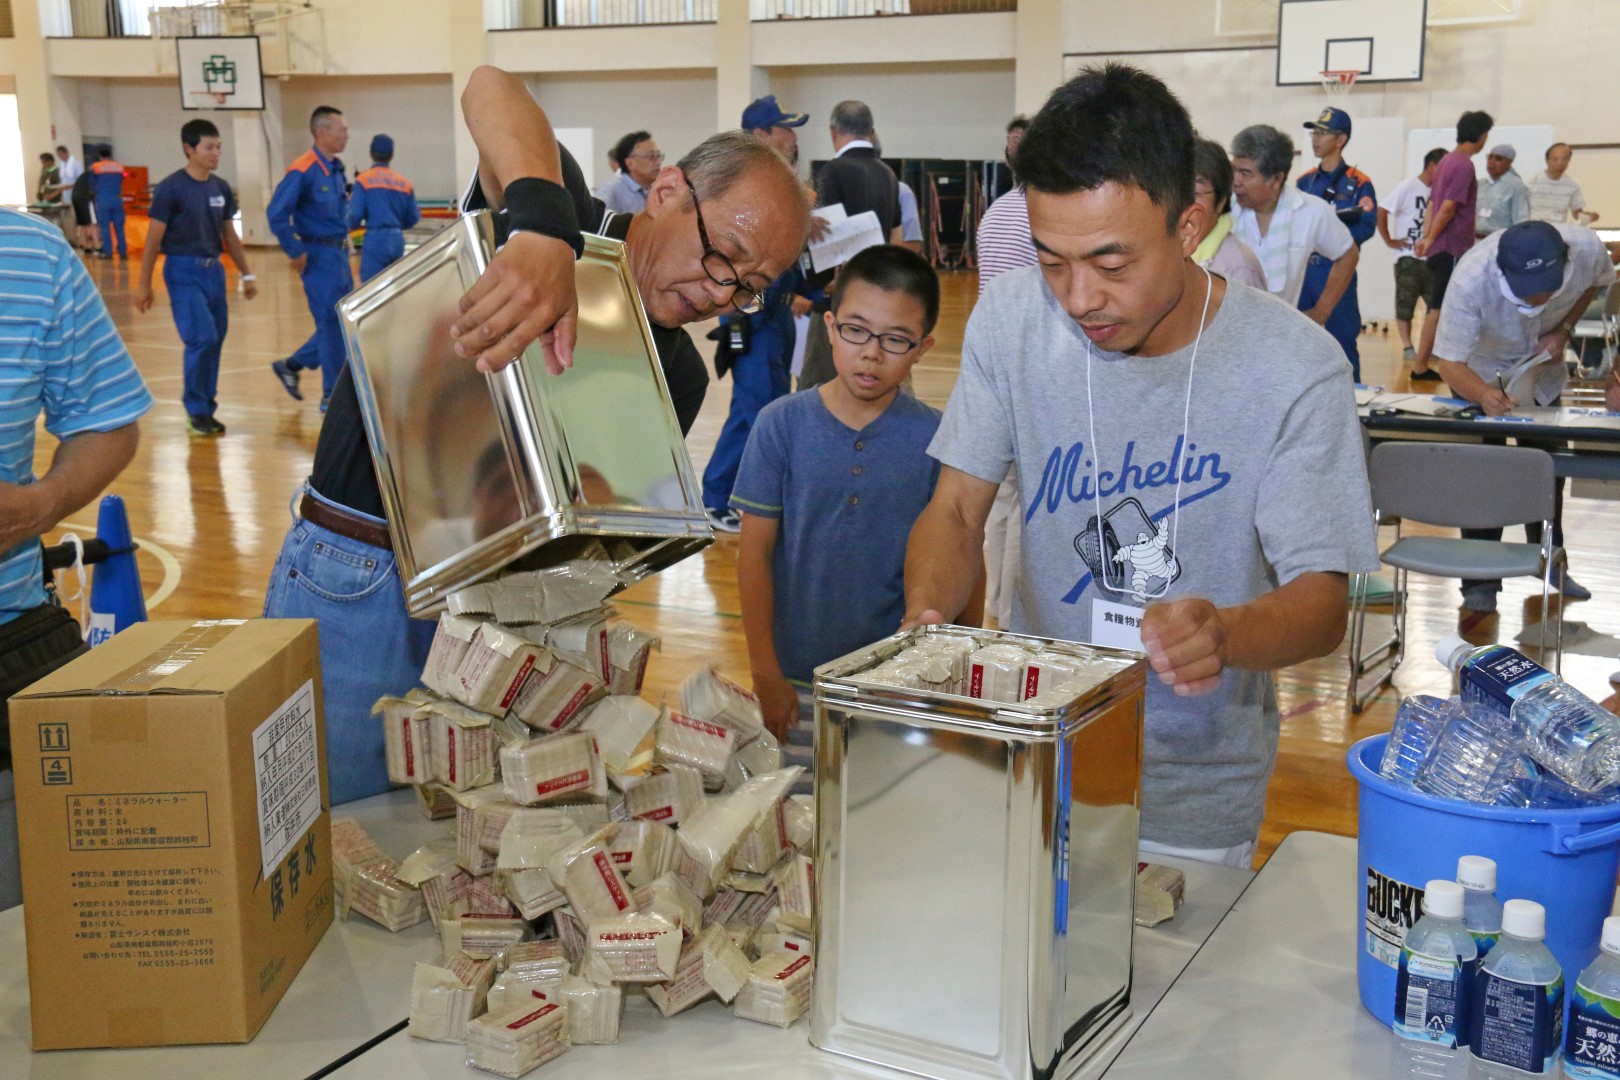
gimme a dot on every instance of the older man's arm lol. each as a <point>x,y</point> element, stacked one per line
<point>83,467</point>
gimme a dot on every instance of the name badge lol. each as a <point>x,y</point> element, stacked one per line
<point>1116,626</point>
<point>217,201</point>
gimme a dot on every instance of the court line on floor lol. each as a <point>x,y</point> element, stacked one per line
<point>223,371</point>
<point>165,558</point>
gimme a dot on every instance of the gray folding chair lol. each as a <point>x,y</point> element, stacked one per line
<point>1462,486</point>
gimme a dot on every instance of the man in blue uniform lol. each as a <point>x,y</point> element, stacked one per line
<point>1351,193</point>
<point>756,348</point>
<point>385,204</point>
<point>191,225</point>
<point>109,184</point>
<point>309,215</point>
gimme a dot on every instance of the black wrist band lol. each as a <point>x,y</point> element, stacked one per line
<point>540,206</point>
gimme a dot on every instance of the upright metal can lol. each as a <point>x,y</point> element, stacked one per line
<point>976,868</point>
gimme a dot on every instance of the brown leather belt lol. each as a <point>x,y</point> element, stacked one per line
<point>344,523</point>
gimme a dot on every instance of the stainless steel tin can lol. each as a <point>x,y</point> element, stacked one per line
<point>976,868</point>
<point>518,470</point>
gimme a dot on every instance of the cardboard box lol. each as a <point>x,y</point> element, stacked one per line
<point>176,847</point>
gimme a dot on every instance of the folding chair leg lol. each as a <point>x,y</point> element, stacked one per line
<point>1383,658</point>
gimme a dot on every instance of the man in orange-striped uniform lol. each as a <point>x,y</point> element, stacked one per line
<point>108,177</point>
<point>385,204</point>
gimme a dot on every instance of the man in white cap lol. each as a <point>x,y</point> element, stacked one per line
<point>1504,199</point>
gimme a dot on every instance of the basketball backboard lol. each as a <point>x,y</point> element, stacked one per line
<point>220,73</point>
<point>1382,40</point>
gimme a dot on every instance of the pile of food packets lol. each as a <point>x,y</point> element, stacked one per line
<point>959,663</point>
<point>603,845</point>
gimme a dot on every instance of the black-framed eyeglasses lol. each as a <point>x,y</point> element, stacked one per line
<point>720,269</point>
<point>894,344</point>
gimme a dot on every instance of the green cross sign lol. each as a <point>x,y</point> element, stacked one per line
<point>219,75</point>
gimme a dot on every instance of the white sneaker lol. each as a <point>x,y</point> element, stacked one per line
<point>725,521</point>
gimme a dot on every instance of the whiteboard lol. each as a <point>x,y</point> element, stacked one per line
<point>220,73</point>
<point>1529,140</point>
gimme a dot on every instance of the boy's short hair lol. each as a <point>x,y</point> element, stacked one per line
<point>1433,156</point>
<point>47,157</point>
<point>195,131</point>
<point>1474,126</point>
<point>893,269</point>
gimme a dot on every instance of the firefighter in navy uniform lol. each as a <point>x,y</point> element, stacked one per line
<point>385,205</point>
<point>1351,192</point>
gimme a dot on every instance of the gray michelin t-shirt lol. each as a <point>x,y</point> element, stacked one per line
<point>1273,485</point>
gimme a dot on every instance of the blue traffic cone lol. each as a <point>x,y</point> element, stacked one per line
<point>115,586</point>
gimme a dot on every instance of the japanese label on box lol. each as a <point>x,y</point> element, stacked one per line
<point>138,821</point>
<point>286,767</point>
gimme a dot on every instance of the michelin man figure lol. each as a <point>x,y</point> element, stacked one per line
<point>1149,558</point>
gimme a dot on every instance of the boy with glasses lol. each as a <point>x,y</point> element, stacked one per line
<point>831,482</point>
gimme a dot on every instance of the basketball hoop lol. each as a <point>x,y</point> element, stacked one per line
<point>1337,84</point>
<point>202,98</point>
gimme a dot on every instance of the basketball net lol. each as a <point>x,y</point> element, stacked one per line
<point>1337,84</point>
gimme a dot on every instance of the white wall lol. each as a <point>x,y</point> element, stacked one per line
<point>676,107</point>
<point>417,110</point>
<point>142,119</point>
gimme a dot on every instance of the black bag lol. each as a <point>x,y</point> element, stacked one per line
<point>33,645</point>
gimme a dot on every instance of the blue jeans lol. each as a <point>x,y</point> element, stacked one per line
<point>382,246</point>
<point>369,646</point>
<point>197,298</point>
<point>110,218</point>
<point>758,377</point>
<point>327,279</point>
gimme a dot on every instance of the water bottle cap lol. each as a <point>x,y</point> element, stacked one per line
<point>1524,919</point>
<point>1477,872</point>
<point>1451,650</point>
<point>1611,934</point>
<point>1443,899</point>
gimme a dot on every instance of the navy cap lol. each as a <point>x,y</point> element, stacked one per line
<point>766,113</point>
<point>1531,255</point>
<point>382,146</point>
<point>1336,120</point>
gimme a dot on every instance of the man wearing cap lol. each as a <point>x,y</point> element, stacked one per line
<point>757,349</point>
<point>1504,198</point>
<point>1350,192</point>
<point>1515,294</point>
<point>384,203</point>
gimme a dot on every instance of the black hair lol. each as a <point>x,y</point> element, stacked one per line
<point>1474,126</point>
<point>1548,155</point>
<point>63,150</point>
<point>1111,124</point>
<point>48,157</point>
<point>1211,163</point>
<point>1018,123</point>
<point>1433,156</point>
<point>317,119</point>
<point>627,145</point>
<point>104,150</point>
<point>893,269</point>
<point>195,131</point>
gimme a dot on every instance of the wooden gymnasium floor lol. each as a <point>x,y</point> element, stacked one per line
<point>210,515</point>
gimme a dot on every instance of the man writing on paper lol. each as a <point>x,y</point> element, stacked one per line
<point>1158,489</point>
<point>1517,294</point>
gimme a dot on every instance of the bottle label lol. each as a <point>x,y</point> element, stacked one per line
<point>1485,941</point>
<point>1430,998</point>
<point>1498,678</point>
<point>1592,1049</point>
<point>1518,1024</point>
<point>1392,909</point>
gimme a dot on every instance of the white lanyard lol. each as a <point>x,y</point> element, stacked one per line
<point>1186,432</point>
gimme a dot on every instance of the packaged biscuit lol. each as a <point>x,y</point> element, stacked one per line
<point>435,801</point>
<point>710,963</point>
<point>587,876</point>
<point>480,815</point>
<point>593,1011</point>
<point>476,602</point>
<point>583,638</point>
<point>669,795</point>
<point>777,991</point>
<point>555,593</point>
<point>765,843</point>
<point>799,816</point>
<point>531,891</point>
<point>445,999</point>
<point>636,947</point>
<point>589,816</point>
<point>628,651</point>
<point>495,668</point>
<point>486,896</point>
<point>461,745</point>
<point>758,756</point>
<point>529,840</point>
<point>1049,671</point>
<point>364,879</point>
<point>672,898</point>
<point>624,728</point>
<point>995,673</point>
<point>708,695</point>
<point>641,850</point>
<point>783,941</point>
<point>712,835</point>
<point>482,937</point>
<point>571,934</point>
<point>517,1041</point>
<point>513,989</point>
<point>552,768</point>
<point>557,694</point>
<point>699,744</point>
<point>450,643</point>
<point>542,959</point>
<point>795,881</point>
<point>446,895</point>
<point>436,857</point>
<point>405,738</point>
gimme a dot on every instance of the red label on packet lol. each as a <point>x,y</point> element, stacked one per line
<point>624,858</point>
<point>791,968</point>
<point>697,725</point>
<point>517,682</point>
<point>573,703</point>
<point>976,682</point>
<point>410,752</point>
<point>723,681</point>
<point>1032,682</point>
<point>582,778</point>
<point>607,662</point>
<point>452,738</point>
<point>659,814</point>
<point>610,878</point>
<point>525,1021</point>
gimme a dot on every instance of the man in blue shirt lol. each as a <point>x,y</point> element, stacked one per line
<point>108,178</point>
<point>1352,195</point>
<point>309,215</point>
<point>64,360</point>
<point>640,161</point>
<point>191,224</point>
<point>385,204</point>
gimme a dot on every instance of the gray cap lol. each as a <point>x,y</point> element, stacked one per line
<point>1504,150</point>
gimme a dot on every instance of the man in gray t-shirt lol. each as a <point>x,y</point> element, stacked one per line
<point>1155,471</point>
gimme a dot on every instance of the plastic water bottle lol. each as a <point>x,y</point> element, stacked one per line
<point>1474,757</point>
<point>1566,732</point>
<point>1518,997</point>
<point>1482,912</point>
<point>1412,741</point>
<point>1592,1048</point>
<point>1437,960</point>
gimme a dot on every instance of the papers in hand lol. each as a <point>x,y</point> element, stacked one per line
<point>846,238</point>
<point>1519,381</point>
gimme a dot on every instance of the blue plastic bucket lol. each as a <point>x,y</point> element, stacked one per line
<point>1565,860</point>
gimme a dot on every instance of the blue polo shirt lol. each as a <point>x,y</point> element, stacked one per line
<point>846,501</point>
<point>193,213</point>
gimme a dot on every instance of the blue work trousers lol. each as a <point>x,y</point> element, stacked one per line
<point>110,219</point>
<point>758,377</point>
<point>327,279</point>
<point>1345,322</point>
<point>382,246</point>
<point>369,645</point>
<point>197,298</point>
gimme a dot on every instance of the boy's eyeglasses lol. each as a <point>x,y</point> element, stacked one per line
<point>894,344</point>
<point>720,269</point>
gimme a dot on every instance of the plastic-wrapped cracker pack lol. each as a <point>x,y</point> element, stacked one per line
<point>451,640</point>
<point>709,964</point>
<point>587,876</point>
<point>556,694</point>
<point>495,668</point>
<point>462,746</point>
<point>995,673</point>
<point>364,879</point>
<point>712,835</point>
<point>708,695</point>
<point>435,801</point>
<point>629,648</point>
<point>482,937</point>
<point>777,991</point>
<point>517,1041</point>
<point>669,795</point>
<point>583,639</point>
<point>552,768</point>
<point>445,999</point>
<point>555,593</point>
<point>699,744</point>
<point>480,815</point>
<point>641,850</point>
<point>624,730</point>
<point>405,737</point>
